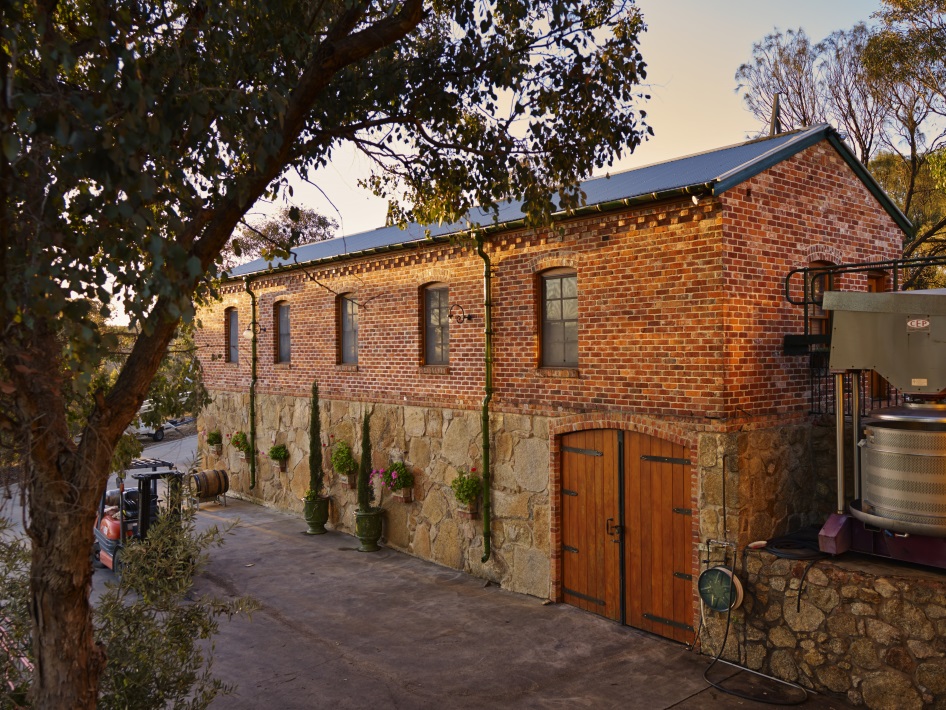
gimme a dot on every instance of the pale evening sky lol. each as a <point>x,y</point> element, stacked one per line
<point>692,48</point>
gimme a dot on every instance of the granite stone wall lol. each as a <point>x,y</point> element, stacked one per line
<point>868,629</point>
<point>436,443</point>
<point>777,479</point>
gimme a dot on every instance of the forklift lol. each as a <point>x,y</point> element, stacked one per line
<point>127,514</point>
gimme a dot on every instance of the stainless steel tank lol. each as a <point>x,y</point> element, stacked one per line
<point>903,471</point>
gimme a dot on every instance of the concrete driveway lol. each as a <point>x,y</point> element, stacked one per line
<point>344,629</point>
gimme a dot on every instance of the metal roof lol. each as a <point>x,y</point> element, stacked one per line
<point>710,172</point>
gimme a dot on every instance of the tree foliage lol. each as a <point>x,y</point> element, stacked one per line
<point>148,619</point>
<point>135,136</point>
<point>883,87</point>
<point>275,235</point>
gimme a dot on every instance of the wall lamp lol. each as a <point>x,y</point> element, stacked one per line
<point>253,329</point>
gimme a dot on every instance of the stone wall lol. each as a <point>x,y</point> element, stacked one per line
<point>435,443</point>
<point>777,479</point>
<point>872,630</point>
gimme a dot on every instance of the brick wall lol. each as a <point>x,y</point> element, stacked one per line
<point>681,318</point>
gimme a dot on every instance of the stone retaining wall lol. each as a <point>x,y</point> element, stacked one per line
<point>872,630</point>
<point>435,443</point>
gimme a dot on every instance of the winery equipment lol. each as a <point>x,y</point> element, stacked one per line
<point>899,458</point>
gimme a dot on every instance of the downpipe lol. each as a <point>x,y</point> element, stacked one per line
<point>487,388</point>
<point>253,378</point>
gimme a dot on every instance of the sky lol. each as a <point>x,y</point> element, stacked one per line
<point>692,48</point>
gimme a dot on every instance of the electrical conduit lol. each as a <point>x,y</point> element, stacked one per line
<point>487,388</point>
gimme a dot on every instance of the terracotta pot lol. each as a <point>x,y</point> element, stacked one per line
<point>281,465</point>
<point>405,495</point>
<point>243,455</point>
<point>350,481</point>
<point>316,515</point>
<point>469,512</point>
<point>216,449</point>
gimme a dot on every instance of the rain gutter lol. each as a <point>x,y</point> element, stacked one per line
<point>487,389</point>
<point>253,329</point>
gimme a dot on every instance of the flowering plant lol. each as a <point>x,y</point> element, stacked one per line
<point>239,441</point>
<point>214,437</point>
<point>395,477</point>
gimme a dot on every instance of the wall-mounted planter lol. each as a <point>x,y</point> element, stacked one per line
<point>404,495</point>
<point>216,449</point>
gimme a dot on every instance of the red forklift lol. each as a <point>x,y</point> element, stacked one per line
<point>128,513</point>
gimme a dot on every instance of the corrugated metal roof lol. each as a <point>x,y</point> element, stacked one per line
<point>717,170</point>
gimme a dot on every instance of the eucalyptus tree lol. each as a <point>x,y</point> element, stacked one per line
<point>134,137</point>
<point>882,86</point>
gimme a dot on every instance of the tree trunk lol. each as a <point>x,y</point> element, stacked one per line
<point>68,662</point>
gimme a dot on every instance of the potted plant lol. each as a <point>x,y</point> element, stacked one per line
<point>240,442</point>
<point>315,505</point>
<point>343,461</point>
<point>467,488</point>
<point>367,517</point>
<point>215,442</point>
<point>280,455</point>
<point>398,479</point>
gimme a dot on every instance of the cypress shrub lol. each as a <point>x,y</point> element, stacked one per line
<point>365,490</point>
<point>315,445</point>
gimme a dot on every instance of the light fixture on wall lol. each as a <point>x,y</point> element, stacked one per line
<point>458,315</point>
<point>253,329</point>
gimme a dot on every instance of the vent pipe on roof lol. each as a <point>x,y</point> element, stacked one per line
<point>775,125</point>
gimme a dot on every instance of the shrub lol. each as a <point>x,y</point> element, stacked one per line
<point>154,629</point>
<point>279,452</point>
<point>466,487</point>
<point>343,461</point>
<point>365,489</point>
<point>214,437</point>
<point>316,474</point>
<point>152,625</point>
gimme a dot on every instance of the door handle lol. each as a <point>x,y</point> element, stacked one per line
<point>613,530</point>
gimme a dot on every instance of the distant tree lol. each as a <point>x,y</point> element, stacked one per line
<point>909,51</point>
<point>868,84</point>
<point>134,137</point>
<point>784,64</point>
<point>275,235</point>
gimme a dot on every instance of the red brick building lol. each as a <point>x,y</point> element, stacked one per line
<point>641,395</point>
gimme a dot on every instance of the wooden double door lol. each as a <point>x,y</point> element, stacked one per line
<point>626,530</point>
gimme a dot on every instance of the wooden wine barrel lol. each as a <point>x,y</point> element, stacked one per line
<point>209,484</point>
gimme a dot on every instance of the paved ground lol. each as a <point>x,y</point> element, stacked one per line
<point>344,629</point>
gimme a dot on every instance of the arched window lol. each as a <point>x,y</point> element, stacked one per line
<point>347,330</point>
<point>435,328</point>
<point>820,280</point>
<point>231,335</point>
<point>559,318</point>
<point>281,336</point>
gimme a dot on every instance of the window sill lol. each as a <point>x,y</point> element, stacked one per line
<point>346,367</point>
<point>567,373</point>
<point>433,370</point>
<point>282,365</point>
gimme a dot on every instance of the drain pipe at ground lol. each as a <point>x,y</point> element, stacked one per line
<point>254,326</point>
<point>487,388</point>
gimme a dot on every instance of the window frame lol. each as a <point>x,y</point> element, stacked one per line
<point>282,333</point>
<point>231,335</point>
<point>343,312</point>
<point>426,326</point>
<point>545,324</point>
